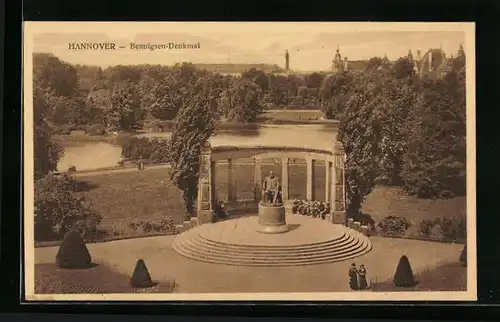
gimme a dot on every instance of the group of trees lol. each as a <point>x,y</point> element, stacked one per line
<point>394,125</point>
<point>120,98</point>
<point>400,128</point>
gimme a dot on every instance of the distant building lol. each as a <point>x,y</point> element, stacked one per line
<point>338,65</point>
<point>238,69</point>
<point>434,64</point>
<point>287,61</point>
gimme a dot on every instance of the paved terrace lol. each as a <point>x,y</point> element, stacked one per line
<point>197,277</point>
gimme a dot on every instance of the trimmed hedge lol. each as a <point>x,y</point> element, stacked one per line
<point>73,252</point>
<point>404,274</point>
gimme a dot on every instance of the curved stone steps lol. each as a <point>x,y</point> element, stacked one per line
<point>273,250</point>
<point>193,233</point>
<point>273,261</point>
<point>199,249</point>
<point>278,247</point>
<point>237,242</point>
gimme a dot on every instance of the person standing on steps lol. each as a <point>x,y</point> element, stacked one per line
<point>353,277</point>
<point>363,285</point>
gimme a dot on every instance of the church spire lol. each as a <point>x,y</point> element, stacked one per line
<point>338,65</point>
<point>410,55</point>
<point>287,60</point>
<point>461,51</point>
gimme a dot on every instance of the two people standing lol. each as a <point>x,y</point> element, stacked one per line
<point>357,277</point>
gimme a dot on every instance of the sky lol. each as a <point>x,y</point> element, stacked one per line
<point>311,45</point>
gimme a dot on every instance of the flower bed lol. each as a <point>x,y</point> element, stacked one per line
<point>313,208</point>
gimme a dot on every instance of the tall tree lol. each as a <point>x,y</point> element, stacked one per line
<point>166,100</point>
<point>435,160</point>
<point>360,134</point>
<point>397,104</point>
<point>262,81</point>
<point>46,152</point>
<point>403,68</point>
<point>194,124</point>
<point>54,75</point>
<point>241,101</point>
<point>125,110</point>
<point>314,80</point>
<point>374,63</point>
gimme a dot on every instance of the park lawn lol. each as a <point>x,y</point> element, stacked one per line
<point>389,200</point>
<point>449,277</point>
<point>149,195</point>
<point>140,195</point>
<point>49,279</point>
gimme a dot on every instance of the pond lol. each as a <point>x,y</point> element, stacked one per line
<point>95,155</point>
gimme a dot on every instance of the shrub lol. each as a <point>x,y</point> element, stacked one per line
<point>163,225</point>
<point>65,129</point>
<point>404,274</point>
<point>95,129</point>
<point>141,278</point>
<point>426,226</point>
<point>454,228</point>
<point>73,252</point>
<point>58,210</point>
<point>447,228</point>
<point>144,148</point>
<point>364,219</point>
<point>394,226</point>
<point>72,169</point>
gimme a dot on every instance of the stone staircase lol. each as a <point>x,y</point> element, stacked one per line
<point>347,245</point>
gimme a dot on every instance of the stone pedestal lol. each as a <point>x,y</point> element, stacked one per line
<point>205,216</point>
<point>339,217</point>
<point>272,219</point>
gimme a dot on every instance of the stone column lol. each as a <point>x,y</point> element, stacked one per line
<point>205,187</point>
<point>230,183</point>
<point>339,200</point>
<point>213,193</point>
<point>332,188</point>
<point>284,178</point>
<point>257,179</point>
<point>310,179</point>
<point>327,180</point>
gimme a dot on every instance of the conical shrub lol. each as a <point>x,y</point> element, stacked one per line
<point>404,274</point>
<point>73,252</point>
<point>463,255</point>
<point>140,277</point>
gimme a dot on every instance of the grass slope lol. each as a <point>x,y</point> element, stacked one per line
<point>149,195</point>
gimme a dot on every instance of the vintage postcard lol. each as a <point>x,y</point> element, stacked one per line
<point>249,161</point>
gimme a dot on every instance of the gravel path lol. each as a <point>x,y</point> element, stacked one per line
<point>197,277</point>
<point>118,170</point>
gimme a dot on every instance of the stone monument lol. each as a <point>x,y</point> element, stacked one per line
<point>271,208</point>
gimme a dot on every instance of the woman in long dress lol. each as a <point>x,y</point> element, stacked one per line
<point>362,277</point>
<point>353,277</point>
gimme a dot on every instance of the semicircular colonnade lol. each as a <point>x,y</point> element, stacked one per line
<point>333,159</point>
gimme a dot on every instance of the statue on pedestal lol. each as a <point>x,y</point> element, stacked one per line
<point>271,190</point>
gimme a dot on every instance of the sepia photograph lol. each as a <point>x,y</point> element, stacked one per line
<point>203,161</point>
